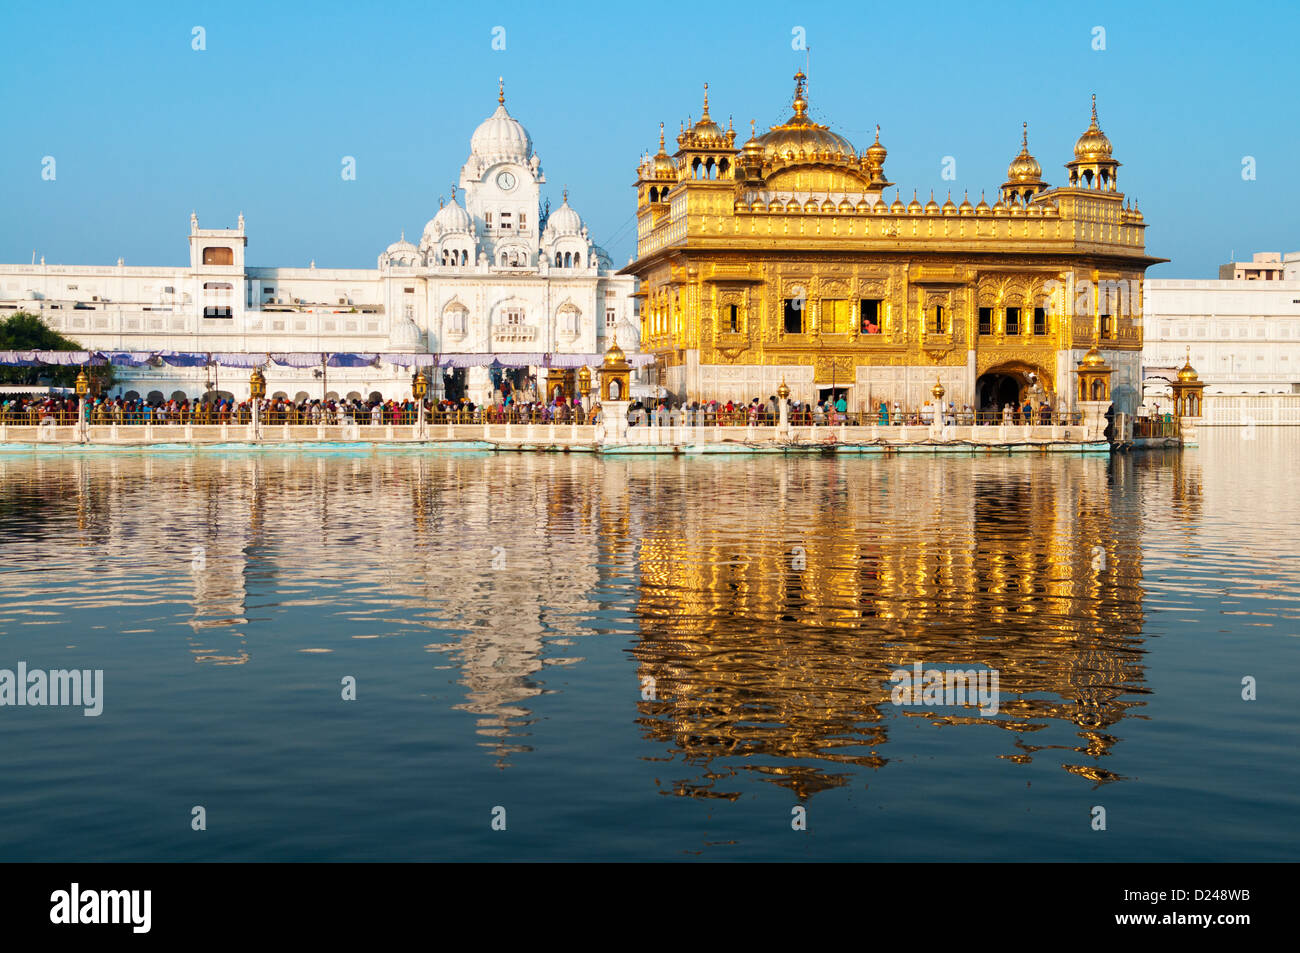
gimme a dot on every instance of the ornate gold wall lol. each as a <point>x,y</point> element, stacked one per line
<point>798,214</point>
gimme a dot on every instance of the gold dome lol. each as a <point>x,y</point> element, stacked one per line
<point>1093,144</point>
<point>1188,373</point>
<point>965,204</point>
<point>663,163</point>
<point>876,150</point>
<point>614,356</point>
<point>1093,358</point>
<point>801,138</point>
<point>932,207</point>
<point>706,128</point>
<point>914,206</point>
<point>1024,167</point>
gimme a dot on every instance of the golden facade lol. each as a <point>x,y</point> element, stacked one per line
<point>782,259</point>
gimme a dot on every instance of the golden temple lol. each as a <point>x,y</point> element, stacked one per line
<point>783,258</point>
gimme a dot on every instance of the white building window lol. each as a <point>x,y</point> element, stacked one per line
<point>512,316</point>
<point>611,317</point>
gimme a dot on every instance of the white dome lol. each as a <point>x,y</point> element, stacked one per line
<point>501,137</point>
<point>406,336</point>
<point>564,220</point>
<point>402,249</point>
<point>449,220</point>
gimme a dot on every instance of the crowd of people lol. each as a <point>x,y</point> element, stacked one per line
<point>21,409</point>
<point>827,412</point>
<point>62,410</point>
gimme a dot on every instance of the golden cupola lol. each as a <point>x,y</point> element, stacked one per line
<point>1092,166</point>
<point>800,140</point>
<point>1024,175</point>
<point>873,160</point>
<point>1188,373</point>
<point>705,151</point>
<point>662,164</point>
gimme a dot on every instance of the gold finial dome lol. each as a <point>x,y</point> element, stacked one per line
<point>801,138</point>
<point>783,391</point>
<point>1188,373</point>
<point>876,150</point>
<point>965,203</point>
<point>1024,167</point>
<point>663,163</point>
<point>1093,358</point>
<point>614,356</point>
<point>1093,144</point>
<point>706,127</point>
<point>914,206</point>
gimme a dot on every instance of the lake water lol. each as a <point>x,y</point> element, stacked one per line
<point>654,658</point>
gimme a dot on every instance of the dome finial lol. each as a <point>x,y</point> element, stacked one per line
<point>566,195</point>
<point>403,234</point>
<point>661,137</point>
<point>1024,137</point>
<point>501,90</point>
<point>453,193</point>
<point>800,95</point>
<point>1094,109</point>
<point>877,132</point>
<point>752,130</point>
<point>441,202</point>
<point>706,102</point>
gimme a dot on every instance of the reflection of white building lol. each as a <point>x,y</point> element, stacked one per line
<point>1242,336</point>
<point>494,274</point>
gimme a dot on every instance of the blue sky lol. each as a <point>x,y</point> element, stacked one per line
<point>143,128</point>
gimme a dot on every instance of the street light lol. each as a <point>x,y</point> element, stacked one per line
<point>584,387</point>
<point>83,387</point>
<point>420,387</point>
<point>257,387</point>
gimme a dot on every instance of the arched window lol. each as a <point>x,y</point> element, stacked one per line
<point>504,259</point>
<point>558,260</point>
<point>444,256</point>
<point>577,259</point>
<point>568,260</point>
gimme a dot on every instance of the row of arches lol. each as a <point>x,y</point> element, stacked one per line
<point>710,168</point>
<point>568,260</point>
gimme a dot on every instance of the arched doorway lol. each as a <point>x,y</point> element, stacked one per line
<point>1012,383</point>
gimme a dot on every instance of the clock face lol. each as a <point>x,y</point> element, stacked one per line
<point>506,180</point>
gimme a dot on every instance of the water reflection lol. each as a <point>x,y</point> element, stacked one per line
<point>766,600</point>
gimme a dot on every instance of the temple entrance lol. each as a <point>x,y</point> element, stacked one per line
<point>995,391</point>
<point>832,394</point>
<point>454,384</point>
<point>1013,383</point>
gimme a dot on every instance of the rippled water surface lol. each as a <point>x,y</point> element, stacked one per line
<point>654,658</point>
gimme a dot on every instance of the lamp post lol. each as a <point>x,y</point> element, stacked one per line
<point>419,387</point>
<point>257,388</point>
<point>937,392</point>
<point>584,388</point>
<point>83,386</point>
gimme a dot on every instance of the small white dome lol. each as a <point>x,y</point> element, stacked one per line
<point>451,219</point>
<point>406,336</point>
<point>402,249</point>
<point>564,220</point>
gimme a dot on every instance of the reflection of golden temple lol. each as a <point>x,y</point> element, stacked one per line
<point>782,258</point>
<point>1006,564</point>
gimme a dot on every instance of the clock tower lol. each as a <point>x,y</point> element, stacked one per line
<point>502,179</point>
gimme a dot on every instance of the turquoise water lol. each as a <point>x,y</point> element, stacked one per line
<point>653,658</point>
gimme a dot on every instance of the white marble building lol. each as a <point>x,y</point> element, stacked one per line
<point>1243,336</point>
<point>492,277</point>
